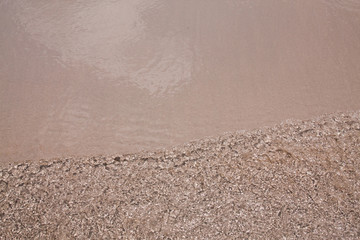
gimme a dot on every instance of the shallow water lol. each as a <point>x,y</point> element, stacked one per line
<point>92,77</point>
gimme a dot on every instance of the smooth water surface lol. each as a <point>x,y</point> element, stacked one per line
<point>90,77</point>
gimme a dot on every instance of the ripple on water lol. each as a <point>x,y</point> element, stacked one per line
<point>349,5</point>
<point>88,77</point>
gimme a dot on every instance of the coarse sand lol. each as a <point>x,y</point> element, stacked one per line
<point>297,180</point>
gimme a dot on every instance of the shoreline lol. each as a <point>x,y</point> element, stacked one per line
<point>210,138</point>
<point>299,178</point>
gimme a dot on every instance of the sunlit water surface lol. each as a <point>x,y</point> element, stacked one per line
<point>90,77</point>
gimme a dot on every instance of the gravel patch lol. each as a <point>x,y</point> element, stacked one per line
<point>297,180</point>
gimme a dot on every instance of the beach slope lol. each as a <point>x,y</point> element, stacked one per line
<point>299,179</point>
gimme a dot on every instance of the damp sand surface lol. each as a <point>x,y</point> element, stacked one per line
<point>99,77</point>
<point>296,180</point>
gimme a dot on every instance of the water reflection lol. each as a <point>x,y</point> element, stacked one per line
<point>113,37</point>
<point>349,5</point>
<point>89,77</point>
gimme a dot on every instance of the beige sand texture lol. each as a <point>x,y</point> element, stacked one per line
<point>297,180</point>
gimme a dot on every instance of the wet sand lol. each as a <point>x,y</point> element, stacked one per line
<point>296,180</point>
